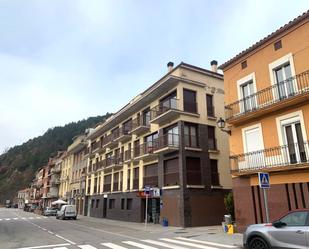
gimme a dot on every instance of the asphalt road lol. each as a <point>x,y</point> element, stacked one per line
<point>23,230</point>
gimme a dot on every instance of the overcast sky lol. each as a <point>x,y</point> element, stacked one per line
<point>65,60</point>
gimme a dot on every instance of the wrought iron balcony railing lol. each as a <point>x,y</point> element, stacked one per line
<point>171,104</point>
<point>282,156</point>
<point>294,86</point>
<point>165,141</point>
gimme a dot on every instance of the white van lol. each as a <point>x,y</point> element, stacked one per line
<point>67,211</point>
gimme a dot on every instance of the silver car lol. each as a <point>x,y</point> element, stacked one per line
<point>290,231</point>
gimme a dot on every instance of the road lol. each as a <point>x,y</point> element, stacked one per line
<point>23,230</point>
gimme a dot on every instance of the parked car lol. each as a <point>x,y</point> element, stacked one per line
<point>67,211</point>
<point>290,231</point>
<point>50,211</point>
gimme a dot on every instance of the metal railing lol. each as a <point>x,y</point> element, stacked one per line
<point>139,121</point>
<point>144,149</point>
<point>167,140</point>
<point>286,155</point>
<point>95,146</point>
<point>286,89</point>
<point>170,104</point>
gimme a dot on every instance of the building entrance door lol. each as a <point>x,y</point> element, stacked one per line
<point>153,210</point>
<point>104,207</point>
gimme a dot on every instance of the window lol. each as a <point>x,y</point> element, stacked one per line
<point>190,135</point>
<point>116,181</point>
<point>129,204</point>
<point>151,175</point>
<point>136,148</point>
<point>168,102</point>
<point>193,166</point>
<point>136,178</point>
<point>115,133</point>
<point>122,203</point>
<point>248,97</point>
<point>284,84</point>
<point>97,203</point>
<point>214,173</point>
<point>277,45</point>
<point>171,136</point>
<point>243,64</point>
<point>212,143</point>
<point>171,172</point>
<point>189,101</point>
<point>107,183</point>
<point>128,179</point>
<point>150,143</point>
<point>146,117</point>
<point>295,219</point>
<point>111,203</point>
<point>127,126</point>
<point>210,105</point>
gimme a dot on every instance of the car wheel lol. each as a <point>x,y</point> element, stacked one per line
<point>74,218</point>
<point>57,217</point>
<point>258,243</point>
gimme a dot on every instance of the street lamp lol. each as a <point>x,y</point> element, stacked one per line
<point>221,124</point>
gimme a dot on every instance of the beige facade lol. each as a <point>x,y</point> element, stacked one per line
<point>121,149</point>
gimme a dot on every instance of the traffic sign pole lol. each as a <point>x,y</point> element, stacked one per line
<point>266,205</point>
<point>146,211</point>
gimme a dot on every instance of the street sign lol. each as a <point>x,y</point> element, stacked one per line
<point>264,180</point>
<point>147,190</point>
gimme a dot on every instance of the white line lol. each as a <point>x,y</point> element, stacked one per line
<point>50,232</point>
<point>0,219</point>
<point>138,245</point>
<point>30,218</point>
<point>207,242</point>
<point>158,243</point>
<point>23,218</point>
<point>15,218</point>
<point>87,247</point>
<point>46,246</point>
<point>7,219</point>
<point>73,243</point>
<point>60,248</point>
<point>38,217</point>
<point>113,246</point>
<point>188,244</point>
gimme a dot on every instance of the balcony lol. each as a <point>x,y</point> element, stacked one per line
<point>166,143</point>
<point>145,151</point>
<point>290,92</point>
<point>165,112</point>
<point>139,126</point>
<point>122,135</point>
<point>113,162</point>
<point>128,156</point>
<point>109,141</point>
<point>95,146</point>
<point>286,157</point>
<point>55,182</point>
<point>56,170</point>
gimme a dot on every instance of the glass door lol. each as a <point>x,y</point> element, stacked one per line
<point>295,143</point>
<point>248,97</point>
<point>284,82</point>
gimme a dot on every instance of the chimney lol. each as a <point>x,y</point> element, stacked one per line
<point>214,65</point>
<point>170,66</point>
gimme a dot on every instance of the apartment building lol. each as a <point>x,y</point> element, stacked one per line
<point>77,179</point>
<point>267,110</point>
<point>164,139</point>
<point>24,197</point>
<point>65,175</point>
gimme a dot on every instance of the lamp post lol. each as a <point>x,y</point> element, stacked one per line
<point>221,125</point>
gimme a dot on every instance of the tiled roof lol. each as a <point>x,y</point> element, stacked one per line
<point>298,19</point>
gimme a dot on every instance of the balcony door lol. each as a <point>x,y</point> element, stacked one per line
<point>169,102</point>
<point>171,136</point>
<point>248,97</point>
<point>294,143</point>
<point>285,86</point>
<point>189,101</point>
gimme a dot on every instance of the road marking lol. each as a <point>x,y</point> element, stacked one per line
<point>48,231</point>
<point>38,217</point>
<point>30,218</point>
<point>113,246</point>
<point>45,246</point>
<point>206,242</point>
<point>73,243</point>
<point>15,218</point>
<point>7,219</point>
<point>0,219</point>
<point>188,244</point>
<point>87,247</point>
<point>158,243</point>
<point>60,248</point>
<point>132,243</point>
<point>23,218</point>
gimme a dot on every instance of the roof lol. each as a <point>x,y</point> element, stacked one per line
<point>279,31</point>
<point>151,88</point>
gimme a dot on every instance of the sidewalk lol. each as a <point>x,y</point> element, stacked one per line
<point>206,233</point>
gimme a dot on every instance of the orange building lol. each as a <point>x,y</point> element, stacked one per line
<point>267,110</point>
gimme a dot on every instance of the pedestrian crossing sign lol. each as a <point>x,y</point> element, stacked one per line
<point>264,180</point>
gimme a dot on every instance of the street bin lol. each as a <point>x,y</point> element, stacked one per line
<point>165,222</point>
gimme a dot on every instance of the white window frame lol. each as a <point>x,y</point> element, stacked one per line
<point>288,58</point>
<point>242,81</point>
<point>248,128</point>
<point>290,118</point>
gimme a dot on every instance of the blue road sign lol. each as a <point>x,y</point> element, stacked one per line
<point>264,180</point>
<point>147,190</point>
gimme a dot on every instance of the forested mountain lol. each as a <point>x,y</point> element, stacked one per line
<point>19,163</point>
